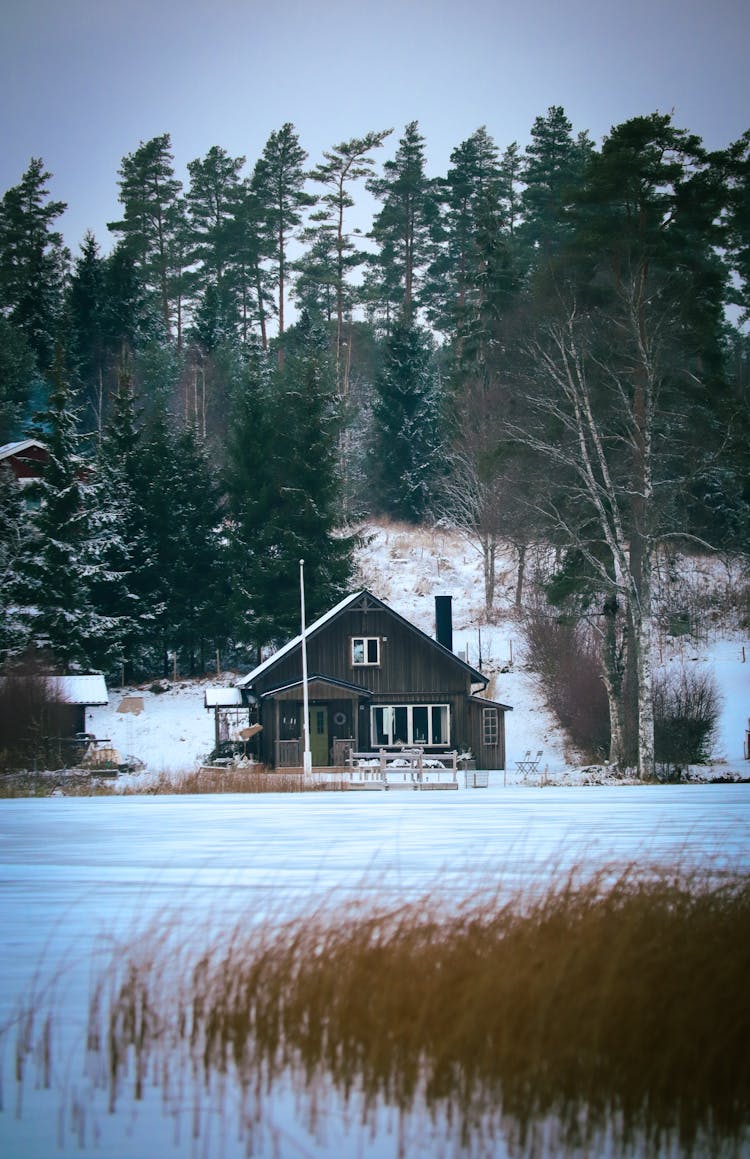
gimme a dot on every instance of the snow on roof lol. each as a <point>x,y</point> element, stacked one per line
<point>292,644</point>
<point>248,680</point>
<point>80,689</point>
<point>222,697</point>
<point>17,448</point>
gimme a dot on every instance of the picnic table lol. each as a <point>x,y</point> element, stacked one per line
<point>529,764</point>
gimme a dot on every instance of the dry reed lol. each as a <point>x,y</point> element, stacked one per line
<point>190,782</point>
<point>617,1008</point>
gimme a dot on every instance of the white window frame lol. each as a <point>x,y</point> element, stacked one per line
<point>490,726</point>
<point>365,641</point>
<point>389,715</point>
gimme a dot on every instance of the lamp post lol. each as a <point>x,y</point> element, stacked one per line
<point>307,756</point>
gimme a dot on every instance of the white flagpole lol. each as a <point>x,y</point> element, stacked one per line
<point>307,758</point>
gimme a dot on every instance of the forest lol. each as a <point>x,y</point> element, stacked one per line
<point>544,345</point>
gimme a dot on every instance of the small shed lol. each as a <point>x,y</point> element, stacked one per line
<point>78,693</point>
<point>231,715</point>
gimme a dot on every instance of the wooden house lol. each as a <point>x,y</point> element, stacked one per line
<point>25,459</point>
<point>375,681</point>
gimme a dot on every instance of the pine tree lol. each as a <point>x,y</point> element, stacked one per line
<point>404,226</point>
<point>628,368</point>
<point>344,164</point>
<point>315,287</point>
<point>33,262</point>
<point>278,184</point>
<point>735,162</point>
<point>149,194</point>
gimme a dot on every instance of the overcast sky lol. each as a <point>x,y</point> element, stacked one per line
<point>83,82</point>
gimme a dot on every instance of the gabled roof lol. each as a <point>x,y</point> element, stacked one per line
<point>9,449</point>
<point>80,689</point>
<point>349,602</point>
<point>487,703</point>
<point>318,678</point>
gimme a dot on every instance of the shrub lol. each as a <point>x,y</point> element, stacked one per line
<point>566,658</point>
<point>32,719</point>
<point>686,712</point>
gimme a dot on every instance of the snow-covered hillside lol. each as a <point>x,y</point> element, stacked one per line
<point>407,568</point>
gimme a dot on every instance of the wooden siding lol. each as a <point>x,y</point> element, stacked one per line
<point>487,756</point>
<point>412,669</point>
<point>410,663</point>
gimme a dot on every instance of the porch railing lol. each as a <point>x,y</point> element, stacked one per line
<point>288,754</point>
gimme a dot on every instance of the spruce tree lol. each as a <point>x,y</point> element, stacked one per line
<point>60,620</point>
<point>15,555</point>
<point>120,590</point>
<point>554,166</point>
<point>198,580</point>
<point>212,202</point>
<point>33,262</point>
<point>284,492</point>
<point>405,454</point>
<point>18,375</point>
<point>88,352</point>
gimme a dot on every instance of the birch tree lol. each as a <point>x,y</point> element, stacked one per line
<point>619,377</point>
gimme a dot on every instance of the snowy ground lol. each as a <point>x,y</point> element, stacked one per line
<point>77,876</point>
<point>407,569</point>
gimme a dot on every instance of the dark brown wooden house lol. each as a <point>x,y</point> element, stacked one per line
<point>374,681</point>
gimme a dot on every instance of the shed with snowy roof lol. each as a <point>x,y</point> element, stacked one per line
<point>77,693</point>
<point>375,681</point>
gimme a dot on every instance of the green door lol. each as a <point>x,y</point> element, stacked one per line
<point>319,734</point>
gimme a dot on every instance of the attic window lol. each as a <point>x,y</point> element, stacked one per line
<point>365,650</point>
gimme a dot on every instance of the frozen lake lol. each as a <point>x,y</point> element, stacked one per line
<point>75,873</point>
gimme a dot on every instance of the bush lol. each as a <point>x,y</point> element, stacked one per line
<point>567,661</point>
<point>686,712</point>
<point>32,719</point>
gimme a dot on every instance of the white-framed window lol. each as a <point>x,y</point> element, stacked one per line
<point>365,650</point>
<point>490,726</point>
<point>393,725</point>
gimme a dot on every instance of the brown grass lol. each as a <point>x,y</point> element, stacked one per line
<point>205,780</point>
<point>617,1008</point>
<point>229,780</point>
